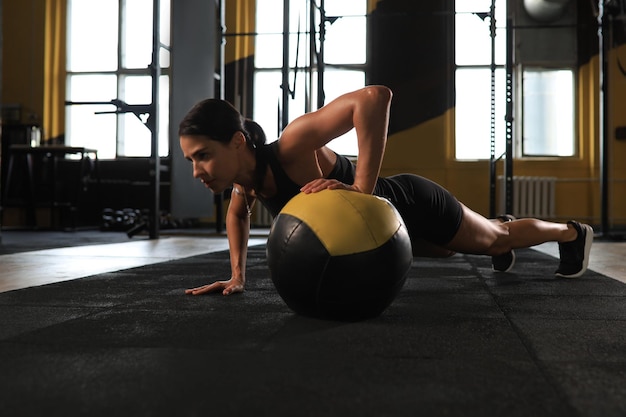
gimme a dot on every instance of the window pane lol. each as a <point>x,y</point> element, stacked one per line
<point>137,34</point>
<point>136,139</point>
<point>164,116</point>
<point>268,51</point>
<point>337,50</point>
<point>465,6</point>
<point>92,35</point>
<point>351,26</point>
<point>344,44</point>
<point>473,34</point>
<point>84,127</point>
<point>548,119</point>
<point>473,113</point>
<point>473,86</point>
<point>267,109</point>
<point>269,16</point>
<point>337,83</point>
<point>345,8</point>
<point>473,41</point>
<point>165,33</point>
<point>96,23</point>
<point>268,94</point>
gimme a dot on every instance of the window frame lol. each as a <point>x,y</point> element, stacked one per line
<point>122,74</point>
<point>308,74</point>
<point>518,108</point>
<point>519,111</point>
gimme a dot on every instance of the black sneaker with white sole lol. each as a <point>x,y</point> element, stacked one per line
<point>575,254</point>
<point>504,262</point>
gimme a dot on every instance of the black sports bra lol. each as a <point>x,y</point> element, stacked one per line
<point>285,188</point>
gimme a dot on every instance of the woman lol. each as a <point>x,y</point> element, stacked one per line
<point>227,151</point>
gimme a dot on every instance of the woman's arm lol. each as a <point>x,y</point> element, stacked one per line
<point>366,110</point>
<point>238,232</point>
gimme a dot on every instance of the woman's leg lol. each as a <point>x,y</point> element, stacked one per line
<point>440,225</point>
<point>423,248</point>
<point>506,261</point>
<point>479,235</point>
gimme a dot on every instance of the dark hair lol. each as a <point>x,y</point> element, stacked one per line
<point>220,120</point>
<point>255,134</point>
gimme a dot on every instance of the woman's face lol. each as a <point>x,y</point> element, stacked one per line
<point>216,164</point>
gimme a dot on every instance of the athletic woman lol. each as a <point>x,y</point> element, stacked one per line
<point>227,150</point>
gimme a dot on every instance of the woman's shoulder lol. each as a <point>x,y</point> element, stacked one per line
<point>268,149</point>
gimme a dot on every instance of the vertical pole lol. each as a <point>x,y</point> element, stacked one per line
<point>1,192</point>
<point>508,163</point>
<point>222,51</point>
<point>603,125</point>
<point>312,54</point>
<point>155,68</point>
<point>285,69</point>
<point>492,159</point>
<point>321,97</point>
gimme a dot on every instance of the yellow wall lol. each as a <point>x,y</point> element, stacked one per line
<point>240,16</point>
<point>23,57</point>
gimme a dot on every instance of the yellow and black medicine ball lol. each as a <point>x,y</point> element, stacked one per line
<point>339,255</point>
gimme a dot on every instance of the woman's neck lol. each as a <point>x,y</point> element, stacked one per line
<point>249,177</point>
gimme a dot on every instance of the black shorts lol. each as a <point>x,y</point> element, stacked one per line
<point>429,211</point>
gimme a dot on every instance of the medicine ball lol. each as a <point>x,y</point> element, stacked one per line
<point>339,255</point>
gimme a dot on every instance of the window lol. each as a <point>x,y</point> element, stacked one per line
<point>109,52</point>
<point>545,103</point>
<point>548,109</point>
<point>344,60</point>
<point>473,79</point>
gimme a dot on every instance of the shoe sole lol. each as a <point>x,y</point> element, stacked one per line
<point>510,266</point>
<point>588,242</point>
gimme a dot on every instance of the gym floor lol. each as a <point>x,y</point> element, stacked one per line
<point>96,324</point>
<point>94,252</point>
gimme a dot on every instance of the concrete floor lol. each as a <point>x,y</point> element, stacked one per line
<point>28,269</point>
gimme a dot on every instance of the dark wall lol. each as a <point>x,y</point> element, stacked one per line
<point>411,50</point>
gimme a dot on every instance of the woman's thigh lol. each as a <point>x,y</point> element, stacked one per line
<point>424,248</point>
<point>478,235</point>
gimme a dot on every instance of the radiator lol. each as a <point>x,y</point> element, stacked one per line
<point>532,196</point>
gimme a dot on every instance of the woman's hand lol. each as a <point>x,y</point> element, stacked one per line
<point>327,184</point>
<point>229,287</point>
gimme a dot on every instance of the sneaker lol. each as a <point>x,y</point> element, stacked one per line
<point>504,262</point>
<point>575,254</point>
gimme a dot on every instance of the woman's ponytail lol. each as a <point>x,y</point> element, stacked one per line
<point>254,133</point>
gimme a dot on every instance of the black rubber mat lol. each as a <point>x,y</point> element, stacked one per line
<point>459,340</point>
<point>31,240</point>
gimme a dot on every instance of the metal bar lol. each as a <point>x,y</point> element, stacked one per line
<point>320,57</point>
<point>285,70</point>
<point>603,125</point>
<point>492,155</point>
<point>508,163</point>
<point>155,69</point>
